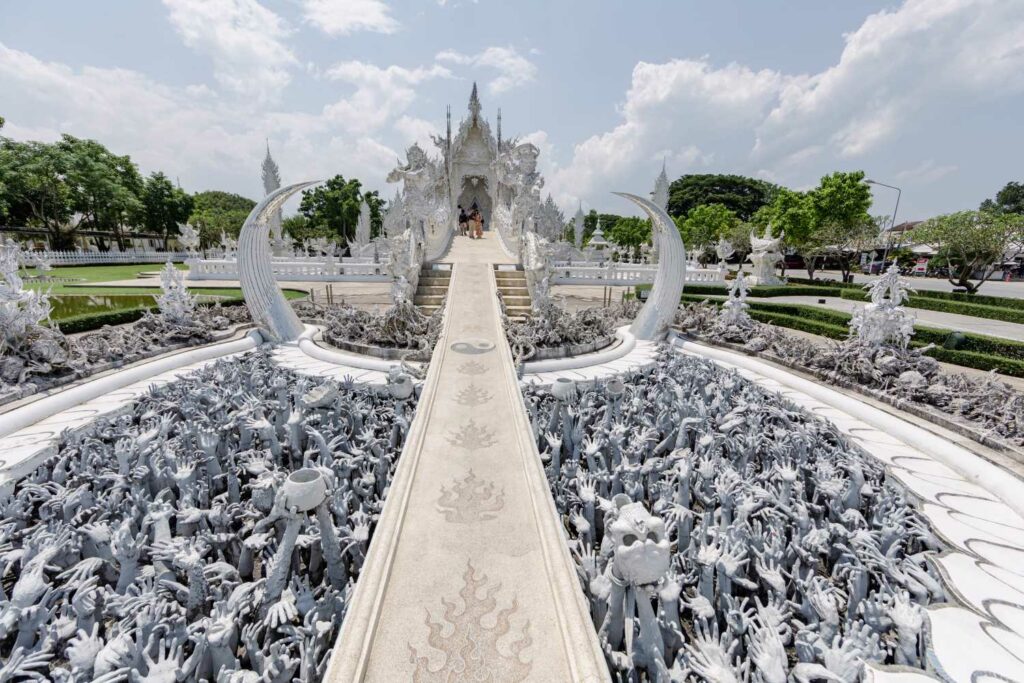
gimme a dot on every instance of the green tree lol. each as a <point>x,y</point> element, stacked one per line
<point>840,204</point>
<point>105,189</point>
<point>739,237</point>
<point>792,215</point>
<point>214,212</point>
<point>334,205</point>
<point>704,225</point>
<point>299,228</point>
<point>164,206</point>
<point>590,223</point>
<point>376,205</point>
<point>972,243</point>
<point>631,233</point>
<point>1010,199</point>
<point>741,195</point>
<point>33,175</point>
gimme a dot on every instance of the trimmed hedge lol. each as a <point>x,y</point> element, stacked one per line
<point>836,284</point>
<point>982,299</point>
<point>1011,315</point>
<point>759,291</point>
<point>93,321</point>
<point>793,322</point>
<point>975,351</point>
<point>979,361</point>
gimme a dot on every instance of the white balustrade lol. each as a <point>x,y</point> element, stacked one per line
<point>85,258</point>
<point>297,269</point>
<point>616,273</point>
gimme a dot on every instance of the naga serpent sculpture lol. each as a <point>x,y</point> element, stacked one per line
<point>654,318</point>
<point>269,308</point>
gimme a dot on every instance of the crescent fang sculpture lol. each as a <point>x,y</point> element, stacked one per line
<point>654,318</point>
<point>267,304</point>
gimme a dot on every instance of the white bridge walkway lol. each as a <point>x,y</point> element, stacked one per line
<point>469,577</point>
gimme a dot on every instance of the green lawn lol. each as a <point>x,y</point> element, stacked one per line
<point>90,274</point>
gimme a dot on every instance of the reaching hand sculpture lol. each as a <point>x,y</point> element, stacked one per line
<point>719,532</point>
<point>190,539</point>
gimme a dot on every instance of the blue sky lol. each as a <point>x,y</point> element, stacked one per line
<point>924,94</point>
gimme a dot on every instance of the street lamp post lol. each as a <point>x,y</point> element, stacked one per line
<point>892,226</point>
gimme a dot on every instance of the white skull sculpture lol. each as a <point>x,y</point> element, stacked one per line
<point>641,547</point>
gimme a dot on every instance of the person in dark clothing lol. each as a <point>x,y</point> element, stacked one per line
<point>463,221</point>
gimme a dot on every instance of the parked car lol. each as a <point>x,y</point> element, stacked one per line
<point>793,262</point>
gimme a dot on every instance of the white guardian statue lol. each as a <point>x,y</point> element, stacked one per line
<point>764,254</point>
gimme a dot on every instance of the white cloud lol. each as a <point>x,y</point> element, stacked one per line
<point>416,130</point>
<point>926,172</point>
<point>669,109</point>
<point>915,61</point>
<point>201,139</point>
<point>342,17</point>
<point>381,93</point>
<point>897,65</point>
<point>245,40</point>
<point>513,69</point>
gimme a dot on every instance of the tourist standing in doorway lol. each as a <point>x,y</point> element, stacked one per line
<point>463,221</point>
<point>474,224</point>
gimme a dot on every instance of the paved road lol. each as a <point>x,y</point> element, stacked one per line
<point>992,287</point>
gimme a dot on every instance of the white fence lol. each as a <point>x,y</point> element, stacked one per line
<point>85,258</point>
<point>613,273</point>
<point>297,270</point>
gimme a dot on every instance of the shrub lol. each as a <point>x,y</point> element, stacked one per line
<point>979,361</point>
<point>823,282</point>
<point>1012,315</point>
<point>94,321</point>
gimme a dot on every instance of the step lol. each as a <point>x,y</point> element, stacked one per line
<point>514,276</point>
<point>513,291</point>
<point>446,274</point>
<point>428,300</point>
<point>516,301</point>
<point>434,282</point>
<point>429,289</point>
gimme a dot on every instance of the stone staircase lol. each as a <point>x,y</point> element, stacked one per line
<point>512,285</point>
<point>431,289</point>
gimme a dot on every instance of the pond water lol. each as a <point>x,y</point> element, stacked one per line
<point>66,306</point>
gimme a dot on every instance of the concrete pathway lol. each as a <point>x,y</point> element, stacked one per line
<point>468,577</point>
<point>949,321</point>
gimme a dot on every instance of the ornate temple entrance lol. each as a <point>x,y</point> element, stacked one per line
<point>475,191</point>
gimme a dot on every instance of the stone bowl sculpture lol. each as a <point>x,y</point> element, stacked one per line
<point>304,489</point>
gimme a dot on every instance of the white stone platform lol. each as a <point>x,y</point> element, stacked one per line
<point>973,506</point>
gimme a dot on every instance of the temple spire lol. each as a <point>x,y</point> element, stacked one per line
<point>474,104</point>
<point>499,129</point>
<point>271,174</point>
